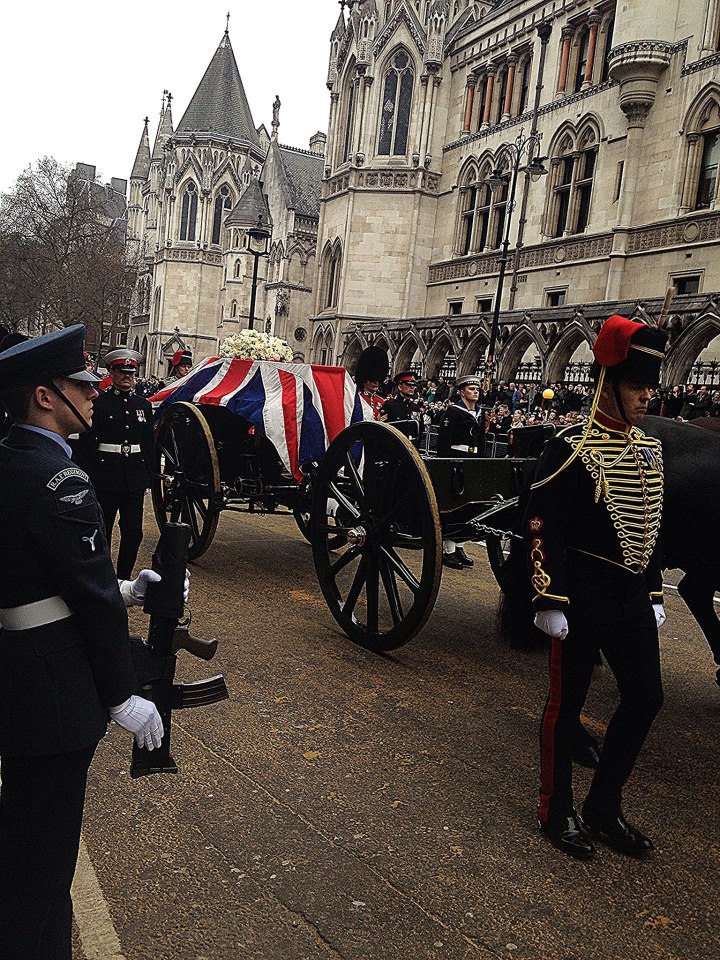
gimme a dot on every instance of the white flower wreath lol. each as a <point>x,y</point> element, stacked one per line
<point>255,345</point>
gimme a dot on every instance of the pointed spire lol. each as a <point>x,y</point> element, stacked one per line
<point>219,104</point>
<point>339,31</point>
<point>165,127</point>
<point>141,167</point>
<point>251,209</point>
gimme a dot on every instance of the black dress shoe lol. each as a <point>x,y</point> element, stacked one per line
<point>620,835</point>
<point>464,559</point>
<point>453,561</point>
<point>569,836</point>
<point>586,755</point>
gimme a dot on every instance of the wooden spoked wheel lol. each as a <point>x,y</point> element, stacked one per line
<point>186,478</point>
<point>373,493</point>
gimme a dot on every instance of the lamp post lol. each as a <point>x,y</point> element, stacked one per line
<point>260,235</point>
<point>522,148</point>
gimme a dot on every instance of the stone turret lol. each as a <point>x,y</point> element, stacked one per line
<point>140,171</point>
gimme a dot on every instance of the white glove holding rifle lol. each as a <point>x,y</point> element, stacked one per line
<point>133,591</point>
<point>140,717</point>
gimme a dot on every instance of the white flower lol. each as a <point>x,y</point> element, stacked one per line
<point>255,345</point>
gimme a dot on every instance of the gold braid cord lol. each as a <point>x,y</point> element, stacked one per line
<point>628,474</point>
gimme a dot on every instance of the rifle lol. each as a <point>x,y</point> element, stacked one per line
<point>155,659</point>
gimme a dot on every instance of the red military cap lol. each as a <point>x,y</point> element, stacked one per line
<point>181,356</point>
<point>407,376</point>
<point>630,350</point>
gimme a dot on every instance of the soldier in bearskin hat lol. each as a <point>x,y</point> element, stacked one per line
<point>370,371</point>
<point>592,526</point>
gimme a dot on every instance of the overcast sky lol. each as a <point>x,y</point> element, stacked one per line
<point>78,79</point>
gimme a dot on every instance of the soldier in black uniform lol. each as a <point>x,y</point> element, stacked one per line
<point>118,453</point>
<point>593,524</point>
<point>64,646</point>
<point>402,411</point>
<point>462,434</point>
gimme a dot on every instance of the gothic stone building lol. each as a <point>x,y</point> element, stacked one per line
<point>427,96</point>
<point>193,200</point>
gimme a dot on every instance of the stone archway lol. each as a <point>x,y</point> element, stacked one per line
<point>572,337</point>
<point>690,346</point>
<point>473,353</point>
<point>351,353</point>
<point>512,357</point>
<point>409,354</point>
<point>436,355</point>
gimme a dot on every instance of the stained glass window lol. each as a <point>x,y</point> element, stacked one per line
<point>396,107</point>
<point>188,214</point>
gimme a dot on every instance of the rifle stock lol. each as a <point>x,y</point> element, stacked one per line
<point>155,661</point>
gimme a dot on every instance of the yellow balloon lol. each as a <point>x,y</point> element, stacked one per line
<point>548,394</point>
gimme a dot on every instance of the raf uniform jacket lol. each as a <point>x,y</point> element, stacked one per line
<point>119,417</point>
<point>57,681</point>
<point>461,432</point>
<point>402,412</point>
<point>606,503</point>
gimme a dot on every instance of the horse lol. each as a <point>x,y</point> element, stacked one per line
<point>690,535</point>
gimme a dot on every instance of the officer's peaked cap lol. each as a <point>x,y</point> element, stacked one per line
<point>630,350</point>
<point>407,376</point>
<point>123,359</point>
<point>56,354</point>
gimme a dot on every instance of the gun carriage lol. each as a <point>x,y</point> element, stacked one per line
<point>267,437</point>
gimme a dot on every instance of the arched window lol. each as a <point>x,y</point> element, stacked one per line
<point>501,85</point>
<point>609,29</point>
<point>233,308</point>
<point>223,202</point>
<point>571,182</point>
<point>525,75</point>
<point>395,107</point>
<point>483,212</point>
<point>708,176</point>
<point>237,268</point>
<point>582,59</point>
<point>332,278</point>
<point>188,215</point>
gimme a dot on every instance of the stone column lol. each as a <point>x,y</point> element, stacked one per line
<point>711,33</point>
<point>567,35</point>
<point>469,101</point>
<point>491,71</point>
<point>593,22</point>
<point>511,68</point>
<point>692,172</point>
<point>637,68</point>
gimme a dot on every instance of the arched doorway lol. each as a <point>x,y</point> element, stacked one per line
<point>577,369</point>
<point>706,369</point>
<point>441,360</point>
<point>530,368</point>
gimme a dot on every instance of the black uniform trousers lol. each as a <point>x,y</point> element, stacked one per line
<point>130,507</point>
<point>41,809</point>
<point>610,610</point>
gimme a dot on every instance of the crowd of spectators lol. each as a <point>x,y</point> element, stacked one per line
<point>510,404</point>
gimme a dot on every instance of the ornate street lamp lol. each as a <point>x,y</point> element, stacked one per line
<point>523,148</point>
<point>257,245</point>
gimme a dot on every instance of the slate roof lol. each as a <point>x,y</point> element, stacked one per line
<point>164,132</point>
<point>219,104</point>
<point>141,167</point>
<point>251,207</point>
<point>303,173</point>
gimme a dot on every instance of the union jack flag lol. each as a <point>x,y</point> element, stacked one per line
<point>299,407</point>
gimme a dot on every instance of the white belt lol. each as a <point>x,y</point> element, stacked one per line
<point>464,448</point>
<point>37,614</point>
<point>124,448</point>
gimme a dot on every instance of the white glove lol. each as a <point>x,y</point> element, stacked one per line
<point>141,718</point>
<point>133,591</point>
<point>552,622</point>
<point>659,611</point>
<point>186,586</point>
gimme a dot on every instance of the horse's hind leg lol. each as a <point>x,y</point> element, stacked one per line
<point>698,592</point>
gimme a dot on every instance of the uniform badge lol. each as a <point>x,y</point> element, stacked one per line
<point>140,415</point>
<point>76,499</point>
<point>535,524</point>
<point>65,474</point>
<point>91,540</point>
